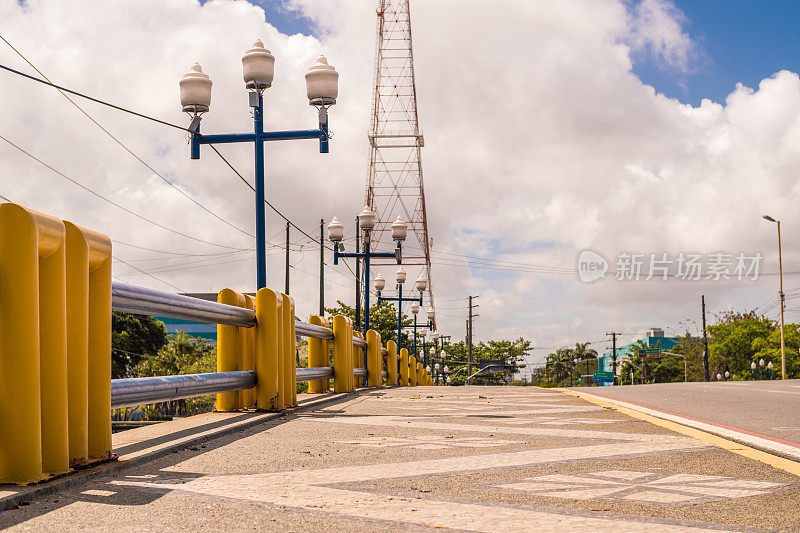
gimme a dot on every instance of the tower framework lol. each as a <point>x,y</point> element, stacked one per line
<point>395,184</point>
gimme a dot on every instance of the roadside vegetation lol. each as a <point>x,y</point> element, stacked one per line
<point>735,341</point>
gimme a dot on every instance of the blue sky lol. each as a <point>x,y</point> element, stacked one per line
<point>740,41</point>
<point>287,21</point>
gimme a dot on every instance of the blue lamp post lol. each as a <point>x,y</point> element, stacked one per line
<point>258,66</point>
<point>762,371</point>
<point>380,283</point>
<point>421,284</point>
<point>366,221</point>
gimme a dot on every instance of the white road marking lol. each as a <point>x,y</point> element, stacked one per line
<point>646,487</point>
<point>558,421</point>
<point>301,489</point>
<point>428,442</point>
<point>402,422</point>
<point>99,492</point>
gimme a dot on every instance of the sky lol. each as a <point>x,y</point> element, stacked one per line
<point>560,139</point>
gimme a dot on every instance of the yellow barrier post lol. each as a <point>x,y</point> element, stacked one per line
<point>281,355</point>
<point>289,352</point>
<point>53,358</point>
<point>26,237</point>
<point>374,378</point>
<point>247,357</point>
<point>77,267</point>
<point>420,374</point>
<point>412,371</point>
<point>98,342</point>
<point>391,363</point>
<point>267,350</point>
<point>351,356</point>
<point>229,345</point>
<point>342,364</point>
<point>318,356</point>
<point>358,360</point>
<point>404,377</point>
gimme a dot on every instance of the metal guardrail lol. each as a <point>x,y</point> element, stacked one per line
<point>140,391</point>
<point>130,392</point>
<point>311,374</point>
<point>133,299</point>
<point>142,301</point>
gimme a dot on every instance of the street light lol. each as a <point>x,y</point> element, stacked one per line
<point>366,222</point>
<point>380,283</point>
<point>782,296</point>
<point>258,68</point>
<point>399,233</point>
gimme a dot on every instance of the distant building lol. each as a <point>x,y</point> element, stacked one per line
<point>654,338</point>
<point>195,329</point>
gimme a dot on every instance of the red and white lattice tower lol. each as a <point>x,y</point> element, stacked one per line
<point>394,185</point>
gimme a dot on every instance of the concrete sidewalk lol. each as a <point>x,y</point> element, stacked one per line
<point>470,458</point>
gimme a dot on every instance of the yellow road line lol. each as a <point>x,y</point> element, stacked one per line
<point>793,467</point>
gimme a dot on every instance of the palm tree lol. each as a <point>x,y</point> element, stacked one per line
<point>559,364</point>
<point>582,352</point>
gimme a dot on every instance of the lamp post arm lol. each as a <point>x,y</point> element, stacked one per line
<point>198,139</point>
<point>685,374</point>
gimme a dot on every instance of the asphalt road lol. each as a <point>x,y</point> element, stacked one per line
<point>770,408</point>
<point>411,459</point>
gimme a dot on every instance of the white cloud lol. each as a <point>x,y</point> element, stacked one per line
<point>656,28</point>
<point>540,142</point>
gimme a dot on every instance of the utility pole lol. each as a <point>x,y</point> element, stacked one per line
<point>358,278</point>
<point>321,267</point>
<point>469,352</point>
<point>286,291</point>
<point>705,339</point>
<point>469,335</point>
<point>614,352</point>
<point>783,298</point>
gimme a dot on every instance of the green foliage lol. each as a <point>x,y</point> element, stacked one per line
<point>382,318</point>
<point>742,338</point>
<point>134,336</point>
<point>183,354</point>
<point>736,341</point>
<point>511,352</point>
<point>562,370</point>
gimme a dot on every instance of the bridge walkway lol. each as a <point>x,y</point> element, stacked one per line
<point>469,458</point>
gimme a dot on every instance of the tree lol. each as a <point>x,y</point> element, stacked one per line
<point>582,352</point>
<point>557,366</point>
<point>740,338</point>
<point>183,354</point>
<point>382,318</point>
<point>134,336</point>
<point>510,352</point>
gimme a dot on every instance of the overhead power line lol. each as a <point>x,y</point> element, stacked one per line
<point>148,274</point>
<point>124,147</point>
<point>112,202</point>
<point>159,121</point>
<point>97,100</point>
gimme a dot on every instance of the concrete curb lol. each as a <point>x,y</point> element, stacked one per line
<point>11,496</point>
<point>689,428</point>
